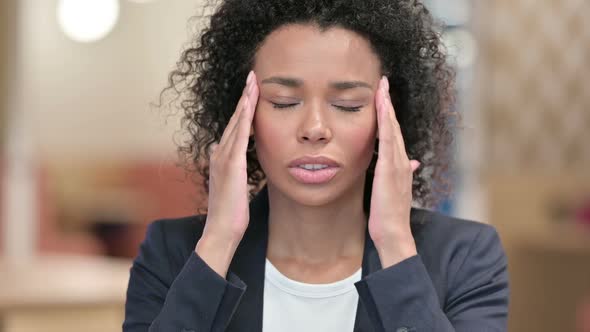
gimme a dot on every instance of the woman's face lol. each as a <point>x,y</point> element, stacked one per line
<point>317,93</point>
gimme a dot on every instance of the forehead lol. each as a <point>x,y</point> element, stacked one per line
<point>307,52</point>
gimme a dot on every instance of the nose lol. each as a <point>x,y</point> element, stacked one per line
<point>314,126</point>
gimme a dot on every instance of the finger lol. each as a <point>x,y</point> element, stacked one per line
<point>378,109</point>
<point>240,141</point>
<point>234,118</point>
<point>384,127</point>
<point>398,139</point>
<point>414,164</point>
<point>234,134</point>
<point>229,143</point>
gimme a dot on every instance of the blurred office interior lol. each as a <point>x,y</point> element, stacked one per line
<point>87,160</point>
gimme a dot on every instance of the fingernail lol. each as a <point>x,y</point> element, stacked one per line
<point>386,83</point>
<point>249,77</point>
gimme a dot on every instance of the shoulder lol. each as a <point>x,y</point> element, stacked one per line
<point>434,229</point>
<point>179,228</point>
<point>173,239</point>
<point>182,231</point>
<point>455,250</point>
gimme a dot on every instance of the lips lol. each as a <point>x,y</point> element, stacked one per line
<point>316,176</point>
<point>319,160</point>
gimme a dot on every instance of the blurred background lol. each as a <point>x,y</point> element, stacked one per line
<point>87,160</point>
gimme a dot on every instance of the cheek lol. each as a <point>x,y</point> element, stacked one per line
<point>361,137</point>
<point>268,130</point>
<point>361,142</point>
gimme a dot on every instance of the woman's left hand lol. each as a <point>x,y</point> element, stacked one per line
<point>391,198</point>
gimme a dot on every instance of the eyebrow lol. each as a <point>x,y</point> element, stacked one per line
<point>296,83</point>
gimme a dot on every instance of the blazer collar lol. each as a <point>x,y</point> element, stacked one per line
<point>249,262</point>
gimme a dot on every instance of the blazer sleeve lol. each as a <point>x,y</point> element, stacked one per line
<point>403,298</point>
<point>195,299</point>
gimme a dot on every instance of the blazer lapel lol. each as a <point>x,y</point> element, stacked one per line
<point>371,263</point>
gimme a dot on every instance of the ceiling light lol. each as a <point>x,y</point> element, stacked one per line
<point>87,20</point>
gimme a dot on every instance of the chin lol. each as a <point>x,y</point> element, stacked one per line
<point>303,197</point>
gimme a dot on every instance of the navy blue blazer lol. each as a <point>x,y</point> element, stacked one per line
<point>457,282</point>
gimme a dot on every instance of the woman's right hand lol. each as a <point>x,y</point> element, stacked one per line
<point>228,211</point>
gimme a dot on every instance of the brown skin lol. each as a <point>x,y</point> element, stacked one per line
<point>316,232</point>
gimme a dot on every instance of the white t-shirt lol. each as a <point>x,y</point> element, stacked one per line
<point>291,305</point>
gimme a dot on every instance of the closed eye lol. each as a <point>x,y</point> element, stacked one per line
<point>349,109</point>
<point>275,105</point>
<point>343,108</point>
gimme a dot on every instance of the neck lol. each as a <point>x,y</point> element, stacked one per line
<point>316,234</point>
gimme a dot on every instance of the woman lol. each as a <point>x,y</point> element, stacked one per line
<point>343,121</point>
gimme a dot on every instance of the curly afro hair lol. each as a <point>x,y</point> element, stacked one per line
<point>209,77</point>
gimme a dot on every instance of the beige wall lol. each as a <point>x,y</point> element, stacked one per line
<point>91,101</point>
<point>7,71</point>
<point>7,58</point>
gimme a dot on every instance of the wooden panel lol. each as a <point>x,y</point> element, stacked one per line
<point>548,252</point>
